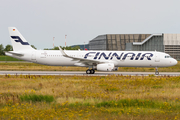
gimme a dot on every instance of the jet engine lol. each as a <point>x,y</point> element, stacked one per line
<point>105,67</point>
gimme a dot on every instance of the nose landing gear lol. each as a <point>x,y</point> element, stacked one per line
<point>156,72</point>
<point>90,71</point>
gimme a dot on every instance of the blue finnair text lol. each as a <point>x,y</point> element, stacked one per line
<point>122,56</point>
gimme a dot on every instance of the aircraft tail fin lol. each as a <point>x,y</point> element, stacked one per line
<point>19,43</point>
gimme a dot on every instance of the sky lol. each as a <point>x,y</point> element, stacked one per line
<point>82,20</point>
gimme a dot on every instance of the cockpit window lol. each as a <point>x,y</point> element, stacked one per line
<point>168,57</point>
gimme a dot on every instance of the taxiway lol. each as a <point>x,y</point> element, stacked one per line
<point>82,73</point>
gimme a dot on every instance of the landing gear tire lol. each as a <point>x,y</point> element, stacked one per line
<point>92,71</point>
<point>88,71</point>
<point>156,73</point>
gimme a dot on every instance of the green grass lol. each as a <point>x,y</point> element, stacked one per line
<point>130,103</point>
<point>37,98</point>
<point>7,58</point>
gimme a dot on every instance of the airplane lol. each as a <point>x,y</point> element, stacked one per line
<point>95,60</point>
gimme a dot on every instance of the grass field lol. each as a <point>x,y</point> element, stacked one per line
<point>7,58</point>
<point>87,97</point>
<point>38,67</point>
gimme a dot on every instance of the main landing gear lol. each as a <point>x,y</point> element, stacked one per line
<point>156,72</point>
<point>90,71</point>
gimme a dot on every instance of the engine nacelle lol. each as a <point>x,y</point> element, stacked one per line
<point>105,67</point>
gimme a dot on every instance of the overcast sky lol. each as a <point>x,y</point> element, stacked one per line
<point>82,20</point>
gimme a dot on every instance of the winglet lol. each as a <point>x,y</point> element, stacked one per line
<point>63,53</point>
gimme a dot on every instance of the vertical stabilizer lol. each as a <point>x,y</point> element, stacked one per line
<point>19,43</point>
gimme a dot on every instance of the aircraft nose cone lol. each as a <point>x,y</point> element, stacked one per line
<point>174,62</point>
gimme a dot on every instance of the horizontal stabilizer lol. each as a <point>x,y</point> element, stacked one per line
<point>14,53</point>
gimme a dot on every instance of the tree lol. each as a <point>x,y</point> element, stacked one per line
<point>71,48</point>
<point>75,48</point>
<point>66,48</point>
<point>8,48</point>
<point>46,49</point>
<point>1,50</point>
<point>56,48</point>
<point>33,46</point>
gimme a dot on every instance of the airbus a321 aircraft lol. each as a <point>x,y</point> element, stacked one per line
<point>95,60</point>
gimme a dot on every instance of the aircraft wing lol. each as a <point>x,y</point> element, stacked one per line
<point>81,60</point>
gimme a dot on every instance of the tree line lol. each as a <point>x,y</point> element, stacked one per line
<point>7,48</point>
<point>10,48</point>
<point>66,48</point>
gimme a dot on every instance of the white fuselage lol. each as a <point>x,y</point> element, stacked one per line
<point>118,58</point>
<point>95,60</point>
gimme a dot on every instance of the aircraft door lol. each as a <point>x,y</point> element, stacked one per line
<point>157,57</point>
<point>33,57</point>
<point>43,54</point>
